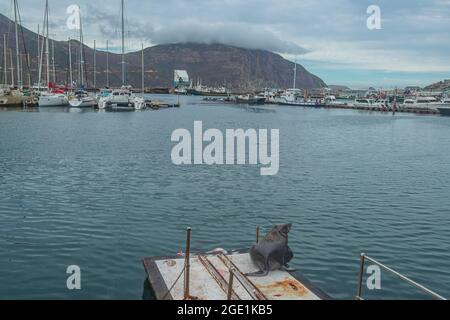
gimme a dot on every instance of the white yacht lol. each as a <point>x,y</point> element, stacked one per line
<point>445,110</point>
<point>122,100</point>
<point>81,99</point>
<point>425,103</point>
<point>52,99</point>
<point>364,103</point>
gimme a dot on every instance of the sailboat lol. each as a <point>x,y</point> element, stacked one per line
<point>81,98</point>
<point>53,96</point>
<point>10,97</point>
<point>122,99</point>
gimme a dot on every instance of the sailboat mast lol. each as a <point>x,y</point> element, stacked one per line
<point>70,65</point>
<point>295,75</point>
<point>41,52</point>
<point>19,81</point>
<point>29,70</point>
<point>123,43</point>
<point>107,63</point>
<point>53,62</point>
<point>143,76</point>
<point>5,72</point>
<point>81,52</point>
<point>38,40</point>
<point>12,67</point>
<point>47,56</point>
<point>95,65</point>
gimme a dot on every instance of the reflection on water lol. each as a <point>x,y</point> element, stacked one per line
<point>148,293</point>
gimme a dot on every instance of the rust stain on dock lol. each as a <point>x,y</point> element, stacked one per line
<point>286,287</point>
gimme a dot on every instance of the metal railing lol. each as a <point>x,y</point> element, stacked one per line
<point>254,293</point>
<point>365,257</point>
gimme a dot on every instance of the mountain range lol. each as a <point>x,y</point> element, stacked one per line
<point>212,64</point>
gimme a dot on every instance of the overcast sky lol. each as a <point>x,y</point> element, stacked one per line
<point>329,37</point>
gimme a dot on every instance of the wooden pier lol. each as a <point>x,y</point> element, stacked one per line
<point>384,109</point>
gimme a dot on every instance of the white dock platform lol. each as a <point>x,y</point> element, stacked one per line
<point>209,280</point>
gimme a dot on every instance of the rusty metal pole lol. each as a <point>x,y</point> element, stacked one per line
<point>187,265</point>
<point>257,234</point>
<point>360,277</point>
<point>230,285</point>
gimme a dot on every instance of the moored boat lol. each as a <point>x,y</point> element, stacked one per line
<point>81,99</point>
<point>425,103</point>
<point>445,108</point>
<point>250,99</point>
<point>122,100</point>
<point>53,96</point>
<point>14,98</point>
<point>53,99</point>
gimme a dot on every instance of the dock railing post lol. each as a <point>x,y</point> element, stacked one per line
<point>360,277</point>
<point>187,264</point>
<point>230,285</point>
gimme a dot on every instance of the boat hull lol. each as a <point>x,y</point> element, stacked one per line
<point>255,101</point>
<point>55,101</point>
<point>5,102</point>
<point>299,104</point>
<point>207,94</point>
<point>444,111</point>
<point>82,103</point>
<point>119,108</point>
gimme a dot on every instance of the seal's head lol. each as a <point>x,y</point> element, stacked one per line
<point>284,229</point>
<point>278,234</point>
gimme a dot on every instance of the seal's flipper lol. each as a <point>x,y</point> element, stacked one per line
<point>288,269</point>
<point>258,274</point>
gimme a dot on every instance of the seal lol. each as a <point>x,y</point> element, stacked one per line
<point>273,252</point>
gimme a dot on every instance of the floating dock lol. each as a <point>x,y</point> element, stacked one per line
<point>209,280</point>
<point>384,109</point>
<point>222,276</point>
<point>156,105</point>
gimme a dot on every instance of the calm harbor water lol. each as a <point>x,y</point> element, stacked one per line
<point>99,190</point>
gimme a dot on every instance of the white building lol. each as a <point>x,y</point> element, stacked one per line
<point>181,79</point>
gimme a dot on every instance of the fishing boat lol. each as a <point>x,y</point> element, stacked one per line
<point>292,98</point>
<point>124,99</point>
<point>303,103</point>
<point>250,99</point>
<point>53,96</point>
<point>205,91</point>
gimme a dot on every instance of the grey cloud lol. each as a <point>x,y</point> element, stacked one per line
<point>235,34</point>
<point>229,33</point>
